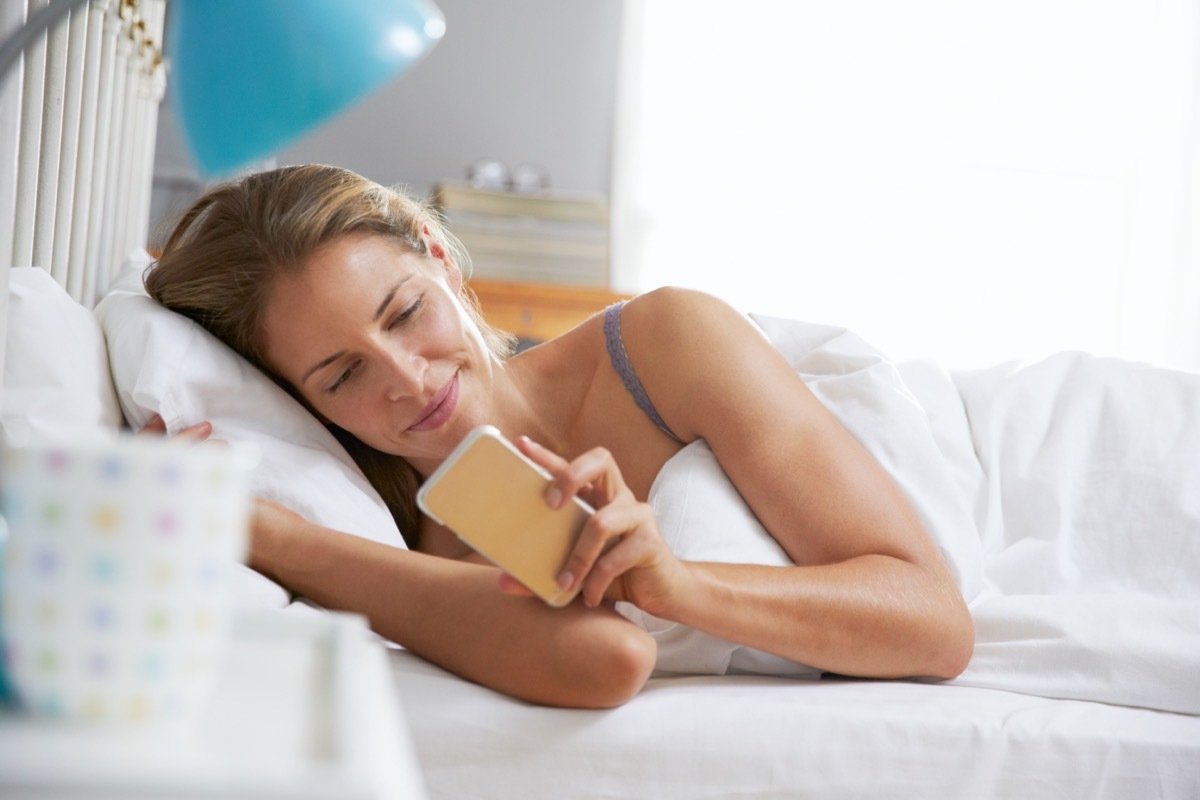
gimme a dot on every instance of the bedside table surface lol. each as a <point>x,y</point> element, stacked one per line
<point>304,707</point>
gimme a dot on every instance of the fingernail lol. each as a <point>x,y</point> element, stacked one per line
<point>565,581</point>
<point>554,497</point>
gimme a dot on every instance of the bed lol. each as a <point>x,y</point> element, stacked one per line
<point>1065,494</point>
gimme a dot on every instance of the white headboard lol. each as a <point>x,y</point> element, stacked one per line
<point>78,121</point>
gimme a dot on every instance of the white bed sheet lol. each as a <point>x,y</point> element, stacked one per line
<point>757,737</point>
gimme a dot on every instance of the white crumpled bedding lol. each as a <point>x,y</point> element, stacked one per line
<point>1088,512</point>
<point>1064,494</point>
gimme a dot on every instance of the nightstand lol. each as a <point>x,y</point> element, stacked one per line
<point>304,707</point>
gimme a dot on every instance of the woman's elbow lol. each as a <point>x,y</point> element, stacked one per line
<point>955,645</point>
<point>619,668</point>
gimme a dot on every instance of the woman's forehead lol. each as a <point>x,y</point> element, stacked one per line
<point>351,260</point>
<point>361,248</point>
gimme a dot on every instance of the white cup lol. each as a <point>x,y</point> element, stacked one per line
<point>118,574</point>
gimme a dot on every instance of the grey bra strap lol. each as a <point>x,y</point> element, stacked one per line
<point>620,363</point>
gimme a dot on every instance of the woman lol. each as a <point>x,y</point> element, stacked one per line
<point>352,297</point>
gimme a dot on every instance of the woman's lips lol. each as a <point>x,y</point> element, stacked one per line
<point>440,408</point>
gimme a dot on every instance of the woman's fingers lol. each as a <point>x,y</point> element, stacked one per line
<point>551,462</point>
<point>626,543</point>
<point>611,544</point>
<point>620,537</point>
<point>593,476</point>
<point>540,455</point>
<point>155,427</point>
<point>193,434</point>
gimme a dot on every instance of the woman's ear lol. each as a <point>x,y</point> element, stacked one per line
<point>437,250</point>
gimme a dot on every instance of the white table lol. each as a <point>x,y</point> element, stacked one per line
<point>304,708</point>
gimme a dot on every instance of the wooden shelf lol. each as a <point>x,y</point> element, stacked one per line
<point>539,311</point>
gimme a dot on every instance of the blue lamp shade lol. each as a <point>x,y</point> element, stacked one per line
<point>250,76</point>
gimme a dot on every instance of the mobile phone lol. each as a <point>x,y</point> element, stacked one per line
<point>494,498</point>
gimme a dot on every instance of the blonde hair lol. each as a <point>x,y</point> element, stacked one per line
<point>224,253</point>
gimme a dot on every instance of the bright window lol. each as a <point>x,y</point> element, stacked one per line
<point>952,179</point>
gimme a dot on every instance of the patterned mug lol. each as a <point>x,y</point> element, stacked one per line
<point>118,574</point>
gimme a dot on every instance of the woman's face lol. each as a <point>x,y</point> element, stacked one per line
<point>372,335</point>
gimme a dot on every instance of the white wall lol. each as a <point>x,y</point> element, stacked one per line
<point>518,81</point>
<point>521,81</point>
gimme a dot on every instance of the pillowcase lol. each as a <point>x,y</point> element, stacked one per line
<point>56,380</point>
<point>165,363</point>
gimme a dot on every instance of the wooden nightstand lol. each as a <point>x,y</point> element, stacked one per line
<point>535,312</point>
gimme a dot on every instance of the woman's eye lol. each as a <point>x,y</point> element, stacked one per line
<point>408,312</point>
<point>341,380</point>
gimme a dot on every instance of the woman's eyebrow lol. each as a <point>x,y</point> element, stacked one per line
<point>325,362</point>
<point>387,301</point>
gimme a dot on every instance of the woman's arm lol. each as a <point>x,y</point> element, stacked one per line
<point>450,613</point>
<point>871,595</point>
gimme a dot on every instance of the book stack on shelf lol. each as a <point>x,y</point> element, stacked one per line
<point>543,237</point>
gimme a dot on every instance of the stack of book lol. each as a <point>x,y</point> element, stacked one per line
<point>547,237</point>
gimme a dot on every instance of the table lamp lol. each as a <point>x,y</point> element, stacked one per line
<point>250,76</point>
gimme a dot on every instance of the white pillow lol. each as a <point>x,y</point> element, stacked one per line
<point>165,363</point>
<point>56,381</point>
<point>57,384</point>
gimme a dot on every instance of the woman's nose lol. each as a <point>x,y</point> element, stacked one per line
<point>405,375</point>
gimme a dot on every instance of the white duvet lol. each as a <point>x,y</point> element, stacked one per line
<point>1064,495</point>
<point>1088,511</point>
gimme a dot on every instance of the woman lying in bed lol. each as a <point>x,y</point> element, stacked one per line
<point>352,296</point>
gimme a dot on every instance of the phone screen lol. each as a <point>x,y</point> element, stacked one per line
<point>493,498</point>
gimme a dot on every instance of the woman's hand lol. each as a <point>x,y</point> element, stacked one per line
<point>620,554</point>
<point>193,434</point>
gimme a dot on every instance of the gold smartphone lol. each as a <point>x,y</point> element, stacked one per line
<point>494,499</point>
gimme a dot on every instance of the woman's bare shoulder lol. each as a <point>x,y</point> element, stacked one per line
<point>674,300</point>
<point>677,324</point>
<point>700,359</point>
